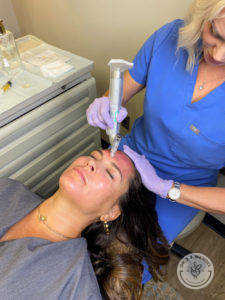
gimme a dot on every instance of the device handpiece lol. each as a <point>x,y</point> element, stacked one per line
<point>115,144</point>
<point>117,69</point>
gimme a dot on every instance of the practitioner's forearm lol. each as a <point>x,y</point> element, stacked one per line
<point>211,199</point>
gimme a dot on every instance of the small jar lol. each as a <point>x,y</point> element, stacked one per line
<point>9,55</point>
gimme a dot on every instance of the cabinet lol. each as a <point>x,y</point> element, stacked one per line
<point>38,145</point>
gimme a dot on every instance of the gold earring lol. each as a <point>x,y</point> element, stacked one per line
<point>106,226</point>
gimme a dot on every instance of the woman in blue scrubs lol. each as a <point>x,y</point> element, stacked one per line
<point>182,131</point>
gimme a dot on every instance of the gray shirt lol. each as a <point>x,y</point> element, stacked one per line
<point>35,268</point>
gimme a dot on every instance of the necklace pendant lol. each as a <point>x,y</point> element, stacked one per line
<point>42,218</point>
<point>201,87</point>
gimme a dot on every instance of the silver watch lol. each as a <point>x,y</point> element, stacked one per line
<point>174,192</point>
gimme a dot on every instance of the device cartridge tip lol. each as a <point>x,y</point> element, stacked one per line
<point>115,144</point>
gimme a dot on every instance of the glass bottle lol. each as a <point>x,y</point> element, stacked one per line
<point>9,54</point>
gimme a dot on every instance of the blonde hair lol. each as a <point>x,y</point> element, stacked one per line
<point>201,11</point>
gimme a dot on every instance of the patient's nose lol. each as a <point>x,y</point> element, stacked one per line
<point>90,165</point>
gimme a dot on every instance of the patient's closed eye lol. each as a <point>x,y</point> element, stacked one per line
<point>110,174</point>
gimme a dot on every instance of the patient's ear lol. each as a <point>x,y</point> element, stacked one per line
<point>112,215</point>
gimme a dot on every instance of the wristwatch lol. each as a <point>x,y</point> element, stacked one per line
<point>174,192</point>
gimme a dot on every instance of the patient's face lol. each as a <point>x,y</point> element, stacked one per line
<point>95,182</point>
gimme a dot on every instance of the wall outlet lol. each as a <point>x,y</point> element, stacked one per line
<point>126,123</point>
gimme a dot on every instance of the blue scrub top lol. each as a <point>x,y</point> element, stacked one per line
<point>183,141</point>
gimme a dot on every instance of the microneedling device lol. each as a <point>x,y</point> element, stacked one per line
<point>117,69</point>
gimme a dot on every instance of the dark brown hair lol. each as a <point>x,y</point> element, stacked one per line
<point>135,235</point>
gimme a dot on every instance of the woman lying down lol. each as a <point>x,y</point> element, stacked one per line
<point>43,246</point>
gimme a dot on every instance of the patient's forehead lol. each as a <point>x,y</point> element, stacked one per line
<point>122,161</point>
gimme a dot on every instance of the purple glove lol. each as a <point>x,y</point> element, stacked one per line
<point>148,174</point>
<point>98,114</point>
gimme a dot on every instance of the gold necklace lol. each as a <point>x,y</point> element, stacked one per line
<point>202,86</point>
<point>43,219</point>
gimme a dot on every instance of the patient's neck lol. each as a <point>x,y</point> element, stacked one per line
<point>62,217</point>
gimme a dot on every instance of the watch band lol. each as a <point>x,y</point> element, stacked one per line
<point>177,185</point>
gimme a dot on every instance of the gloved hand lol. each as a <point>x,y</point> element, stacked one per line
<point>98,113</point>
<point>148,174</point>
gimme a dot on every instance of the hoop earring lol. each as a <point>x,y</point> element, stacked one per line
<point>106,226</point>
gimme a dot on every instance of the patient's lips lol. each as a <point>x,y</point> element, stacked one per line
<point>81,174</point>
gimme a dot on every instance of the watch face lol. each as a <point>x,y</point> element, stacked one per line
<point>174,193</point>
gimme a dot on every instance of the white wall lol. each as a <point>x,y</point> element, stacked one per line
<point>98,29</point>
<point>8,15</point>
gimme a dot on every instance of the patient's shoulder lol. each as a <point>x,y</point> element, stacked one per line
<point>15,197</point>
<point>6,182</point>
<point>10,186</point>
